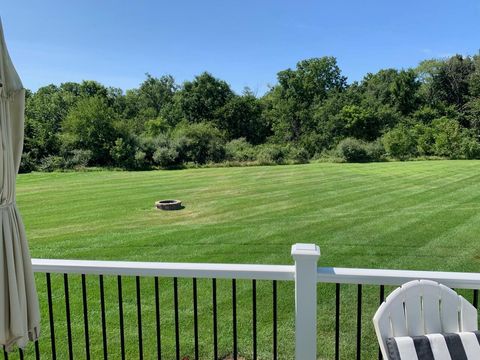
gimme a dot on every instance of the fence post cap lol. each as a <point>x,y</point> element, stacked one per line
<point>310,250</point>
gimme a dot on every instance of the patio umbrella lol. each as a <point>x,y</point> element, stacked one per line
<point>19,312</point>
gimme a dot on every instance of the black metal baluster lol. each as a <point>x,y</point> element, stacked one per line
<point>274,295</point>
<point>382,299</point>
<point>177,329</point>
<point>5,354</point>
<point>20,353</point>
<point>254,318</point>
<point>104,320</point>
<point>120,312</point>
<point>195,317</point>
<point>475,298</point>
<point>337,321</point>
<point>37,351</point>
<point>214,310</point>
<point>234,318</point>
<point>85,316</point>
<point>139,317</point>
<point>50,317</point>
<point>68,318</point>
<point>157,320</point>
<point>359,321</point>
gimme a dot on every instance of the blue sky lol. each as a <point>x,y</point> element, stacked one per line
<point>244,42</point>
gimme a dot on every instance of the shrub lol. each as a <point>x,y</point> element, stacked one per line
<point>52,163</point>
<point>271,154</point>
<point>353,150</point>
<point>166,156</point>
<point>123,152</point>
<point>27,164</point>
<point>469,145</point>
<point>140,161</point>
<point>444,137</point>
<point>425,139</point>
<point>147,145</point>
<point>448,138</point>
<point>200,143</point>
<point>240,150</point>
<point>375,150</point>
<point>79,159</point>
<point>400,142</point>
<point>298,155</point>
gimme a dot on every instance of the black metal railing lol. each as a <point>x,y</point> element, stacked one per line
<point>110,316</point>
<point>92,318</point>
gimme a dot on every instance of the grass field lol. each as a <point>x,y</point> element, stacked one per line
<point>400,215</point>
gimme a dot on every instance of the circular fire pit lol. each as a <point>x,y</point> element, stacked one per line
<point>169,205</point>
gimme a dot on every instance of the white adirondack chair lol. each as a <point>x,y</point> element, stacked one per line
<point>422,307</point>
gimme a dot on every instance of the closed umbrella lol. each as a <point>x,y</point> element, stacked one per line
<point>19,312</point>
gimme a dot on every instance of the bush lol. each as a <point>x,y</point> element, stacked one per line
<point>140,161</point>
<point>123,152</point>
<point>166,156</point>
<point>271,154</point>
<point>400,142</point>
<point>52,163</point>
<point>375,150</point>
<point>448,138</point>
<point>200,143</point>
<point>240,150</point>
<point>470,146</point>
<point>27,164</point>
<point>425,139</point>
<point>298,155</point>
<point>147,145</point>
<point>444,137</point>
<point>79,159</point>
<point>353,150</point>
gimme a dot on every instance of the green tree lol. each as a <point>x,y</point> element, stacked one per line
<point>45,111</point>
<point>201,99</point>
<point>450,83</point>
<point>150,101</point>
<point>155,93</point>
<point>241,117</point>
<point>394,88</point>
<point>90,125</point>
<point>359,122</point>
<point>298,91</point>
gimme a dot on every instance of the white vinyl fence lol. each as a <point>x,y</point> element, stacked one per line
<point>304,273</point>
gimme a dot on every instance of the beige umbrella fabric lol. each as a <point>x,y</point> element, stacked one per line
<point>19,312</point>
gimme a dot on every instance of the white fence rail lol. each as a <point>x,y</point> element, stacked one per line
<point>396,277</point>
<point>183,270</point>
<point>305,273</point>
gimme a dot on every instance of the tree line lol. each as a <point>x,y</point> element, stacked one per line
<point>429,111</point>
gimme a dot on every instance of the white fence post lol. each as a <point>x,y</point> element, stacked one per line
<point>306,257</point>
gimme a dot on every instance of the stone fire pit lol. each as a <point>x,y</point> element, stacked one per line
<point>169,205</point>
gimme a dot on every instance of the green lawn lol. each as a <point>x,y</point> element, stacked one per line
<point>400,215</point>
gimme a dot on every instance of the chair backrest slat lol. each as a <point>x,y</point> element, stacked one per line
<point>449,310</point>
<point>431,310</point>
<point>468,316</point>
<point>413,311</point>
